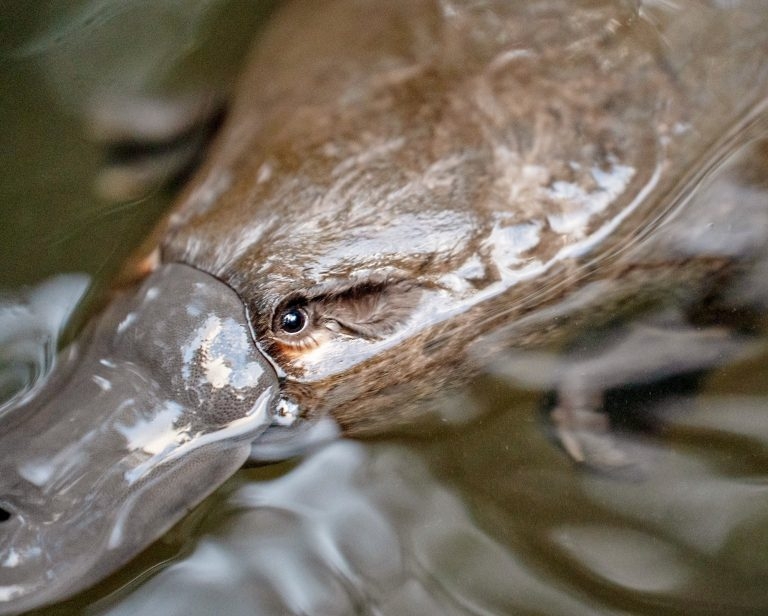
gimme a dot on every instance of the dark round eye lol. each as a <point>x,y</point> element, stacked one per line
<point>293,320</point>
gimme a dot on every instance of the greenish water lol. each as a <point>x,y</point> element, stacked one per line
<point>484,518</point>
<point>55,58</point>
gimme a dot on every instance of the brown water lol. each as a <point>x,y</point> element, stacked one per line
<point>484,517</point>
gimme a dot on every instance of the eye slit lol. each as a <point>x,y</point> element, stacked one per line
<point>292,320</point>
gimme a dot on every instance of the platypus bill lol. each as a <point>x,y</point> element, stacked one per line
<point>404,193</point>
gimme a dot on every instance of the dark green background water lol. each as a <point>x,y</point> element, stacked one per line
<point>484,518</point>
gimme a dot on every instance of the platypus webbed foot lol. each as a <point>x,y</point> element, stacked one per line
<point>585,432</point>
<point>149,142</point>
<point>624,383</point>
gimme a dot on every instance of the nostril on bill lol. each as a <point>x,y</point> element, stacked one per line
<point>5,515</point>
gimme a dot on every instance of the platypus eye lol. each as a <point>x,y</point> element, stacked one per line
<point>292,320</point>
<point>365,311</point>
<point>295,327</point>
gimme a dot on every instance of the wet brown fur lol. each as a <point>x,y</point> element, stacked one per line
<point>392,140</point>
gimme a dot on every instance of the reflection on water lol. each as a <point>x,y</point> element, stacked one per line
<point>486,518</point>
<point>353,529</point>
<point>31,324</point>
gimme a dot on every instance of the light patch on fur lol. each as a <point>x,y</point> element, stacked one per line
<point>265,172</point>
<point>204,196</point>
<point>367,156</point>
<point>507,244</point>
<point>579,205</point>
<point>462,281</point>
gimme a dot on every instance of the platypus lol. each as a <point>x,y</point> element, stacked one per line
<point>404,193</point>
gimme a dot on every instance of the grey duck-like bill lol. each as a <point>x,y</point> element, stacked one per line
<point>154,408</point>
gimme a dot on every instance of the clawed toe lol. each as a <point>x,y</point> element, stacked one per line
<point>585,434</point>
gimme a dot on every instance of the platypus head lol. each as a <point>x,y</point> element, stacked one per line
<point>375,218</point>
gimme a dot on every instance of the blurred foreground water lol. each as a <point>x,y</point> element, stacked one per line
<point>483,517</point>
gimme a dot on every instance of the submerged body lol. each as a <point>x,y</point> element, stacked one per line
<point>403,192</point>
